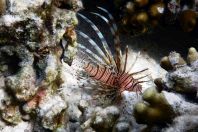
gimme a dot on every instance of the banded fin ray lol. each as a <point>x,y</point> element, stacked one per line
<point>90,53</point>
<point>99,34</point>
<point>126,57</point>
<point>117,40</point>
<point>113,33</point>
<point>95,46</point>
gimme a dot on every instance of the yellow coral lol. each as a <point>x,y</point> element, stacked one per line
<point>155,110</point>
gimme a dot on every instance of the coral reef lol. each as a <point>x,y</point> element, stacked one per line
<point>188,20</point>
<point>143,15</point>
<point>43,86</point>
<point>182,77</point>
<point>11,114</point>
<point>24,89</point>
<point>156,110</point>
<point>70,45</point>
<point>53,114</point>
<point>184,123</point>
<point>122,127</point>
<point>106,118</point>
<point>186,111</point>
<point>2,6</point>
<point>168,107</point>
<point>140,15</point>
<point>102,119</point>
<point>31,50</point>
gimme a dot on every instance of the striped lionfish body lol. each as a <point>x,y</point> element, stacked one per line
<point>124,81</point>
<point>109,70</point>
<point>103,74</point>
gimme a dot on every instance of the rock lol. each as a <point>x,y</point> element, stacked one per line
<point>35,101</point>
<point>122,127</point>
<point>5,99</point>
<point>74,127</point>
<point>70,45</point>
<point>83,105</point>
<point>25,88</point>
<point>52,112</point>
<point>105,118</point>
<point>30,59</point>
<point>70,4</point>
<point>74,113</point>
<point>11,114</point>
<point>51,70</point>
<point>180,105</point>
<point>185,123</point>
<point>22,126</point>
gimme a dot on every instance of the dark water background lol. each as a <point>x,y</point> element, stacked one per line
<point>157,43</point>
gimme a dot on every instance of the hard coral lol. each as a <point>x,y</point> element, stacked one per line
<point>2,6</point>
<point>156,12</point>
<point>182,77</point>
<point>156,109</point>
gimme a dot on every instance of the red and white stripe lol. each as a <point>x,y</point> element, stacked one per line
<point>123,81</point>
<point>102,74</point>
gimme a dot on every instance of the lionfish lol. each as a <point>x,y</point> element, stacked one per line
<point>106,68</point>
